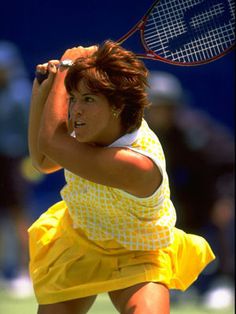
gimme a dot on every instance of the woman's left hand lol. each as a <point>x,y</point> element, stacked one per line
<point>78,52</point>
<point>70,54</point>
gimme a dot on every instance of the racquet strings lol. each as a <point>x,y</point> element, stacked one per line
<point>190,31</point>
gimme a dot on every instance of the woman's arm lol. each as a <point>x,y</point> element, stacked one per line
<point>115,167</point>
<point>38,99</point>
<point>40,94</point>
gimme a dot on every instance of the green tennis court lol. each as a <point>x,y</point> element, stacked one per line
<point>11,305</point>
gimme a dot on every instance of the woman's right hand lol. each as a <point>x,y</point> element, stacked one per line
<point>42,89</point>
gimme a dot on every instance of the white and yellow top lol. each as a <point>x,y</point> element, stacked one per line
<point>106,213</point>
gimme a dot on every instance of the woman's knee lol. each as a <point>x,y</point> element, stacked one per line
<point>144,298</point>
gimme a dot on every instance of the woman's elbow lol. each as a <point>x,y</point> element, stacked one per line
<point>39,166</point>
<point>45,166</point>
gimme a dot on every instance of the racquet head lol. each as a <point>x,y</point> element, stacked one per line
<point>184,32</point>
<point>187,32</point>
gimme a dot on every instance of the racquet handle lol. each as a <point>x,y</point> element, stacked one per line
<point>42,76</point>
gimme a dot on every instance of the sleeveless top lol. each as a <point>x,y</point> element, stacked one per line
<point>106,213</point>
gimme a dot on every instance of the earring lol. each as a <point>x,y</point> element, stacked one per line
<point>115,113</point>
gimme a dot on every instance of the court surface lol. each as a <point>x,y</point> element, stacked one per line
<point>13,305</point>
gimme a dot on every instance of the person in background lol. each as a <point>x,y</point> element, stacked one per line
<point>15,91</point>
<point>200,160</point>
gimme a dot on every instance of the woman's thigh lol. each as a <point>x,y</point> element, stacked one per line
<point>143,298</point>
<point>77,306</point>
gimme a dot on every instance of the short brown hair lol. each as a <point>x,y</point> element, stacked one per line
<point>119,75</point>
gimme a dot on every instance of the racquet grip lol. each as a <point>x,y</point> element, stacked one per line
<point>42,76</point>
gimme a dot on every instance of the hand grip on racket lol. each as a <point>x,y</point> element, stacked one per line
<point>42,76</point>
<point>186,32</point>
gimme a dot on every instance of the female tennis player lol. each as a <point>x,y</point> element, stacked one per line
<point>114,230</point>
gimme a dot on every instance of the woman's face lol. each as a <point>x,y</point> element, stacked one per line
<point>92,117</point>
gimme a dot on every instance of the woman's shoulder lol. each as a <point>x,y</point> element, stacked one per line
<point>147,141</point>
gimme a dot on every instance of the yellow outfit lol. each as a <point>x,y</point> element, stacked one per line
<point>101,239</point>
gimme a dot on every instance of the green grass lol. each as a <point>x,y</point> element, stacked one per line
<point>13,305</point>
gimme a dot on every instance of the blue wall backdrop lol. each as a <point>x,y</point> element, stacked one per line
<point>44,28</point>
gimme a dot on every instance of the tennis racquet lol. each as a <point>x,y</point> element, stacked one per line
<point>185,32</point>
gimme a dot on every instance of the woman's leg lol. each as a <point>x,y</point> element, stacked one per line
<point>143,298</point>
<point>77,306</point>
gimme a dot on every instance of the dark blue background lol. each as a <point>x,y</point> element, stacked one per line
<point>44,28</point>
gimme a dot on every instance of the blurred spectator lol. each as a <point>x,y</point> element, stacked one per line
<point>15,90</point>
<point>200,163</point>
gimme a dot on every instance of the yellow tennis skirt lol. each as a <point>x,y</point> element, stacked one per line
<point>65,264</point>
